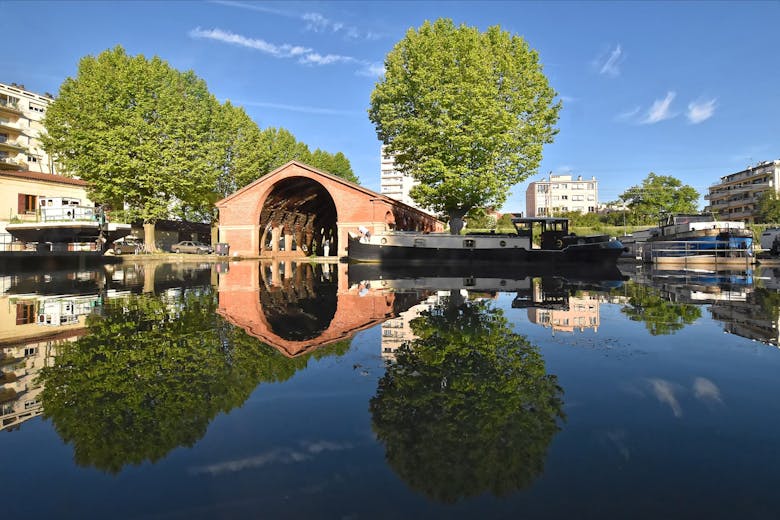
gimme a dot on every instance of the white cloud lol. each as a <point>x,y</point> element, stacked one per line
<point>278,51</point>
<point>302,108</point>
<point>699,111</point>
<point>319,59</point>
<point>660,110</point>
<point>371,70</point>
<point>609,63</point>
<point>628,115</point>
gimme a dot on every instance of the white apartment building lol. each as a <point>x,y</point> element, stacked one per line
<point>21,116</point>
<point>736,196</point>
<point>395,184</point>
<point>560,194</point>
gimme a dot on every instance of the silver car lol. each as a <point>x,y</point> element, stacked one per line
<point>188,246</point>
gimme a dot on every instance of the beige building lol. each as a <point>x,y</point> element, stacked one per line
<point>560,194</point>
<point>20,192</point>
<point>736,196</point>
<point>21,125</point>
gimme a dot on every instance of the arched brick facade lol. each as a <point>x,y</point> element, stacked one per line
<point>240,213</point>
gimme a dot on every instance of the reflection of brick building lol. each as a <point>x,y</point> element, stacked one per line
<point>582,313</point>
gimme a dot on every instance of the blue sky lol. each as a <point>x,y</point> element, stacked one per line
<point>689,89</point>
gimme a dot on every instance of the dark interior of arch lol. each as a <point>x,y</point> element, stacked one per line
<point>305,209</point>
<point>303,307</point>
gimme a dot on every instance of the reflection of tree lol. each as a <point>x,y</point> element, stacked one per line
<point>150,376</point>
<point>467,407</point>
<point>661,316</point>
<point>768,302</point>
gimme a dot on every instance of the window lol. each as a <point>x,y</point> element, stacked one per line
<point>591,209</point>
<point>564,197</point>
<point>27,203</point>
<point>32,159</point>
<point>577,197</point>
<point>37,108</point>
<point>25,313</point>
<point>590,185</point>
<point>591,197</point>
<point>556,197</point>
<point>564,186</point>
<point>30,351</point>
<point>541,188</point>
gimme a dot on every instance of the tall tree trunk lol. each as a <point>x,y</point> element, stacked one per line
<point>456,220</point>
<point>149,237</point>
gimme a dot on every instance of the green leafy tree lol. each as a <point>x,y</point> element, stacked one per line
<point>769,207</point>
<point>659,194</point>
<point>151,374</point>
<point>467,408</point>
<point>139,131</point>
<point>660,316</point>
<point>464,112</point>
<point>336,164</point>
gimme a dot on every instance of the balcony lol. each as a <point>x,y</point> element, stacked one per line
<point>10,128</point>
<point>11,145</point>
<point>7,163</point>
<point>11,107</point>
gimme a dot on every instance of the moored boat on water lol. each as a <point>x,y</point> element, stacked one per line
<point>698,239</point>
<point>557,246</point>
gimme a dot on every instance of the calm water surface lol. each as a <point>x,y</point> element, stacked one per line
<point>249,390</point>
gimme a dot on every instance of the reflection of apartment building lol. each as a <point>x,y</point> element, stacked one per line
<point>20,365</point>
<point>736,196</point>
<point>398,330</point>
<point>749,320</point>
<point>395,184</point>
<point>582,313</point>
<point>21,116</point>
<point>560,194</point>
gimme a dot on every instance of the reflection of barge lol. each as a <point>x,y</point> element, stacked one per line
<point>558,246</point>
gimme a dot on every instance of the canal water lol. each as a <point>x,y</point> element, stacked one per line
<point>284,390</point>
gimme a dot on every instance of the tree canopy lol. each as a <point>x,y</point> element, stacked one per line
<point>769,207</point>
<point>659,194</point>
<point>467,407</point>
<point>464,112</point>
<point>155,142</point>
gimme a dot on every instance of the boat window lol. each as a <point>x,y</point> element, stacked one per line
<point>468,242</point>
<point>419,242</point>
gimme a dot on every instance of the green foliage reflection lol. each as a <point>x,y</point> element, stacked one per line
<point>660,316</point>
<point>150,376</point>
<point>467,408</point>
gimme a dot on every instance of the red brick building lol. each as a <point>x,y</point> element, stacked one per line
<point>296,210</point>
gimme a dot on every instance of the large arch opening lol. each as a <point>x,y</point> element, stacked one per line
<point>298,219</point>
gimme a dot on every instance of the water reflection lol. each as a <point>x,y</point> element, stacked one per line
<point>467,406</point>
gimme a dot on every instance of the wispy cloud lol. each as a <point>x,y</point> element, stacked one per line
<point>661,110</point>
<point>304,55</point>
<point>307,451</point>
<point>302,108</point>
<point>699,111</point>
<point>313,21</point>
<point>609,62</point>
<point>284,50</point>
<point>629,114</point>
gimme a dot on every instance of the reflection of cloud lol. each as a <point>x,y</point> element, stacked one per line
<point>664,392</point>
<point>617,437</point>
<point>706,390</point>
<point>275,456</point>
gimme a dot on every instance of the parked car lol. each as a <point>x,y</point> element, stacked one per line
<point>127,245</point>
<point>188,246</point>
